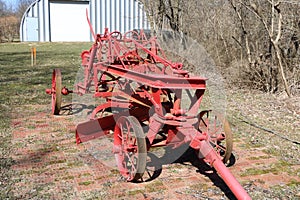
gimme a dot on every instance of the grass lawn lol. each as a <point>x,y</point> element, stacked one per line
<point>22,84</point>
<point>19,79</point>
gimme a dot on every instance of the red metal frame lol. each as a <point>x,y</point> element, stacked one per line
<point>132,73</point>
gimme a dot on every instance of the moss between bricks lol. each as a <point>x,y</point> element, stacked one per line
<point>155,186</point>
<point>279,167</point>
<point>86,183</point>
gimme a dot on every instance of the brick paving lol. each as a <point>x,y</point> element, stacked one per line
<point>50,165</point>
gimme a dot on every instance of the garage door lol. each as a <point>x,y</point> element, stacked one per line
<point>68,21</point>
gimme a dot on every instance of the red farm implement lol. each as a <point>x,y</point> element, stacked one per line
<point>143,99</point>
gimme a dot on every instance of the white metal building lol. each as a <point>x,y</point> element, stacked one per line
<point>65,20</point>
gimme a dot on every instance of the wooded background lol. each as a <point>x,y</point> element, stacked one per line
<point>10,19</point>
<point>254,43</point>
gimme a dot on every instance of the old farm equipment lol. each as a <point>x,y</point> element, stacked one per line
<point>143,93</point>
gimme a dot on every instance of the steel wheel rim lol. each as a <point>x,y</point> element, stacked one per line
<point>129,37</point>
<point>56,91</point>
<point>116,35</point>
<point>131,159</point>
<point>220,135</point>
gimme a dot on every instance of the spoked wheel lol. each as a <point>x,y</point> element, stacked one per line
<point>153,167</point>
<point>220,135</point>
<point>56,91</point>
<point>116,35</point>
<point>130,148</point>
<point>129,37</point>
<point>101,111</point>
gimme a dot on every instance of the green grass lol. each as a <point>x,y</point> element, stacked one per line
<point>155,186</point>
<point>259,157</point>
<point>86,183</point>
<point>22,84</point>
<point>135,192</point>
<point>294,183</point>
<point>276,168</point>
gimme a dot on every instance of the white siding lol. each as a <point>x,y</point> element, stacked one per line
<point>68,21</point>
<point>53,18</point>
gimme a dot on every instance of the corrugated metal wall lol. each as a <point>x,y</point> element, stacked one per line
<point>39,11</point>
<point>121,15</point>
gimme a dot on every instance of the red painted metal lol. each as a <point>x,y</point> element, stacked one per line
<point>55,91</point>
<point>140,86</point>
<point>214,160</point>
<point>66,91</point>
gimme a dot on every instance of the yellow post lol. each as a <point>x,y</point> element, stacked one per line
<point>33,56</point>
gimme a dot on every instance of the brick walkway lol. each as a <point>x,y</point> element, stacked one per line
<point>50,165</point>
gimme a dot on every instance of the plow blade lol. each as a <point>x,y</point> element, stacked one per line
<point>94,128</point>
<point>102,126</point>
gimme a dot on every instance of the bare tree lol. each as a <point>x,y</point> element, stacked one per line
<point>5,9</point>
<point>2,8</point>
<point>22,7</point>
<point>260,38</point>
<point>275,26</point>
<point>8,22</point>
<point>10,19</point>
<point>165,13</point>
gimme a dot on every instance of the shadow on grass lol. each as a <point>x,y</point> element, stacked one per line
<point>9,56</point>
<point>72,109</point>
<point>75,108</point>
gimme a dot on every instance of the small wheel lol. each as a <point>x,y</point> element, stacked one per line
<point>116,35</point>
<point>101,111</point>
<point>129,37</point>
<point>56,91</point>
<point>220,135</point>
<point>130,148</point>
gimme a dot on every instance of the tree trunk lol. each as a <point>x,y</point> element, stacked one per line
<point>286,87</point>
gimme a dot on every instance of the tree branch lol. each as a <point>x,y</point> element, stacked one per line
<point>259,16</point>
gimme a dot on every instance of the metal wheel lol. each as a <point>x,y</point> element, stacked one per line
<point>56,91</point>
<point>103,110</point>
<point>116,35</point>
<point>220,135</point>
<point>129,37</point>
<point>130,148</point>
<point>153,167</point>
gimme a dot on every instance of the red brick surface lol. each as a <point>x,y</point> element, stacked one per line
<point>50,165</point>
